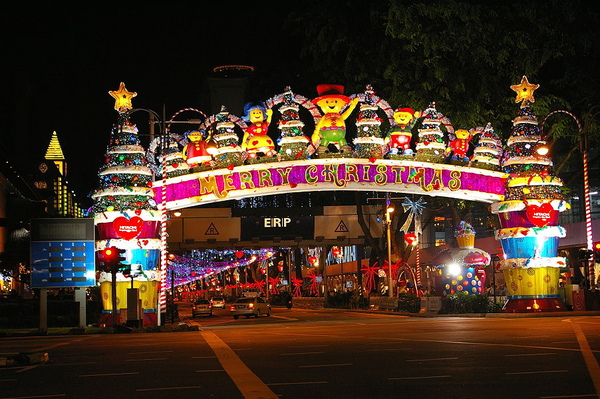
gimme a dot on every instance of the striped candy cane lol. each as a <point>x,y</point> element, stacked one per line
<point>163,236</point>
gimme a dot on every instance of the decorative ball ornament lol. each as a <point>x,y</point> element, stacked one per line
<point>313,260</point>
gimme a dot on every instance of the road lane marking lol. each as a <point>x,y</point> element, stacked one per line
<point>165,388</point>
<point>538,372</point>
<point>588,356</point>
<point>109,374</point>
<point>298,383</point>
<point>68,364</point>
<point>419,378</point>
<point>247,382</point>
<point>300,353</point>
<point>284,318</point>
<point>593,395</point>
<point>328,365</point>
<point>531,354</point>
<point>60,395</point>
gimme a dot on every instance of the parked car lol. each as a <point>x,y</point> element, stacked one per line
<point>202,307</point>
<point>250,307</point>
<point>218,302</point>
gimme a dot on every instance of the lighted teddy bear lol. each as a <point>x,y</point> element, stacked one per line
<point>460,145</point>
<point>330,131</point>
<point>400,136</point>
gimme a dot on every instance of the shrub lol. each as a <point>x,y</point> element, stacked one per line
<point>464,303</point>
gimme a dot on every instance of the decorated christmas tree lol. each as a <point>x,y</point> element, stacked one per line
<point>176,165</point>
<point>228,152</point>
<point>488,150</point>
<point>529,216</point>
<point>293,142</point>
<point>126,215</point>
<point>368,142</point>
<point>431,146</point>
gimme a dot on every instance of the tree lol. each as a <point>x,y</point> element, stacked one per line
<point>458,53</point>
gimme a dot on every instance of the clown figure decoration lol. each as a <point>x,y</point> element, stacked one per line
<point>460,145</point>
<point>255,140</point>
<point>330,131</point>
<point>400,136</point>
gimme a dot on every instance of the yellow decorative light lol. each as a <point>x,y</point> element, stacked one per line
<point>122,98</point>
<point>524,90</point>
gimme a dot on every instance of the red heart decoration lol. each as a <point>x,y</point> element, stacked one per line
<point>230,167</point>
<point>254,142</point>
<point>175,165</point>
<point>239,254</point>
<point>128,229</point>
<point>541,215</point>
<point>372,159</point>
<point>138,212</point>
<point>293,185</point>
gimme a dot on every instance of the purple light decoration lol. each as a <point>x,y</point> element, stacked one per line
<point>183,267</point>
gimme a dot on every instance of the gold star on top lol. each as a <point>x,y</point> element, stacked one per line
<point>524,90</point>
<point>122,98</point>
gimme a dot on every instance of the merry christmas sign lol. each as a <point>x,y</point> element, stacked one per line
<point>332,174</point>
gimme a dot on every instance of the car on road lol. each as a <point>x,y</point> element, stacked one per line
<point>202,307</point>
<point>218,302</point>
<point>255,306</point>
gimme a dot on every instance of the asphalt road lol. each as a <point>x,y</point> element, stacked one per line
<point>319,354</point>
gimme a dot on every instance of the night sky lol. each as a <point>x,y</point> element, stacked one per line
<point>59,63</point>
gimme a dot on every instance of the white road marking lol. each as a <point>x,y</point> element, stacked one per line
<point>300,353</point>
<point>298,383</point>
<point>531,354</point>
<point>109,374</point>
<point>538,372</point>
<point>166,388</point>
<point>328,365</point>
<point>419,378</point>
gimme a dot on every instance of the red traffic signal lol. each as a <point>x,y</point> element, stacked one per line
<point>596,249</point>
<point>110,258</point>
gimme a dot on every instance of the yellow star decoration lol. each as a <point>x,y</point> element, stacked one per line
<point>122,98</point>
<point>524,90</point>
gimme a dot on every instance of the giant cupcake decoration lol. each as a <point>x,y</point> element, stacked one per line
<point>126,216</point>
<point>529,216</point>
<point>462,269</point>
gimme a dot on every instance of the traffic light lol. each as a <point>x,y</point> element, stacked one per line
<point>597,252</point>
<point>110,258</point>
<point>584,254</point>
<point>106,259</point>
<point>118,257</point>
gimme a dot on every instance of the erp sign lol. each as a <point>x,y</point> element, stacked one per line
<point>286,227</point>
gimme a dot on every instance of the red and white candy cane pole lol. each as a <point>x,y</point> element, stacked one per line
<point>583,147</point>
<point>163,234</point>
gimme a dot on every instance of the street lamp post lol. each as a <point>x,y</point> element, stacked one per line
<point>388,219</point>
<point>583,147</point>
